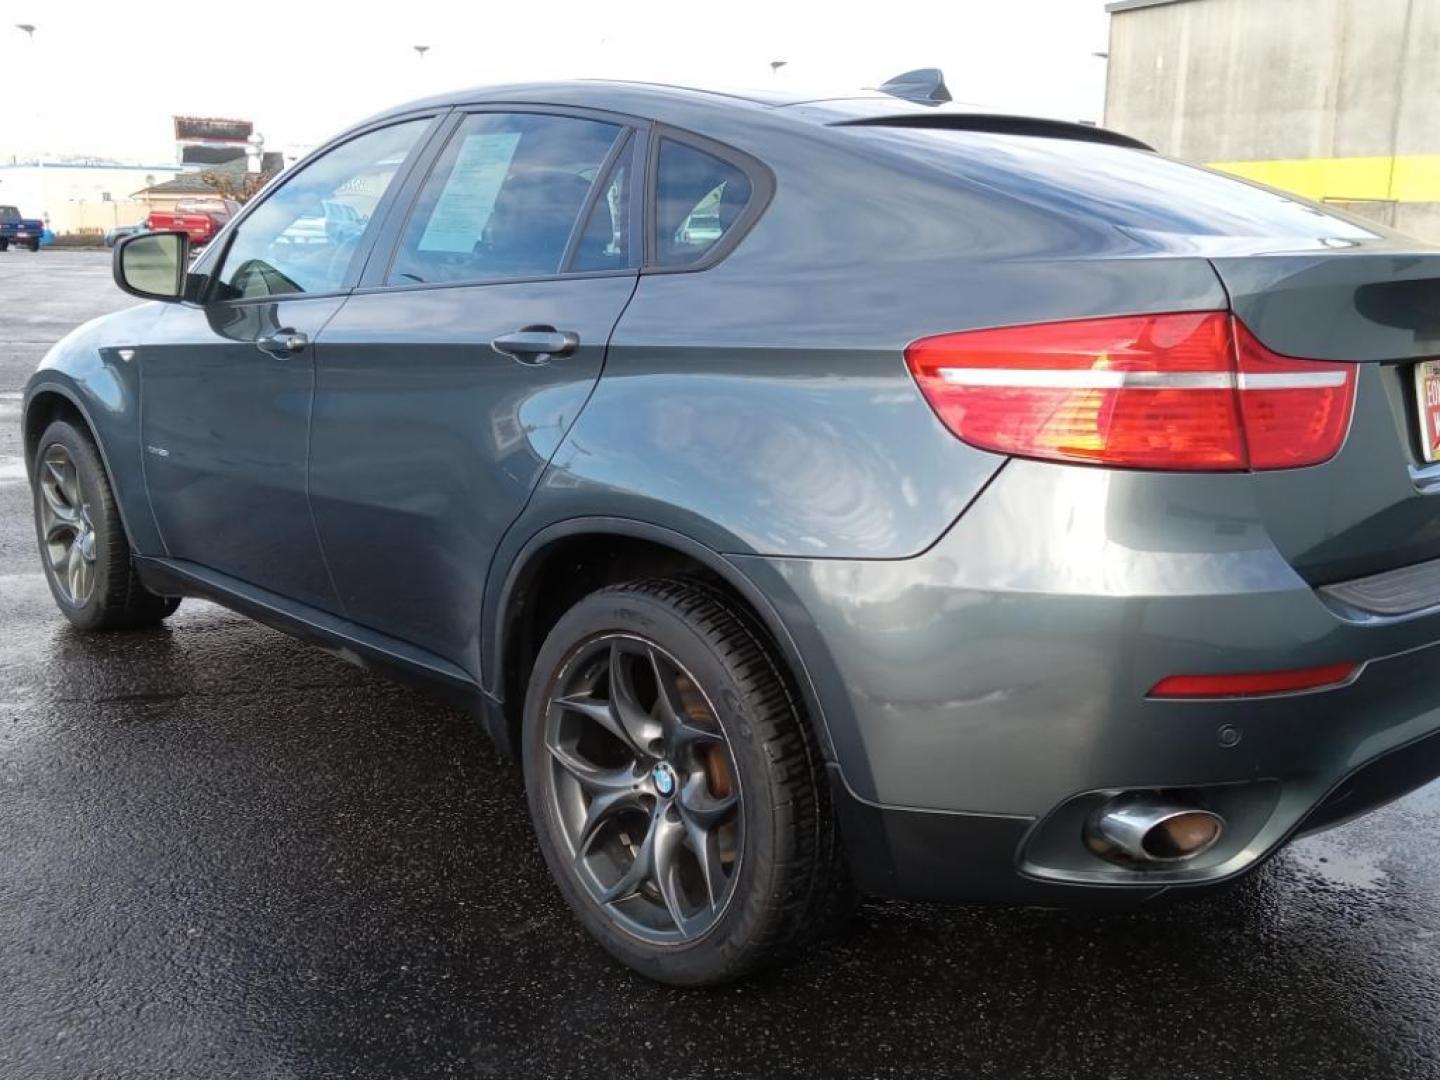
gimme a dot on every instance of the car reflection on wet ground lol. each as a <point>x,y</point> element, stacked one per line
<point>226,854</point>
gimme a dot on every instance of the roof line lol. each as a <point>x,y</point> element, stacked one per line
<point>706,91</point>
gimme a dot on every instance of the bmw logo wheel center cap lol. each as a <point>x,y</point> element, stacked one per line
<point>664,777</point>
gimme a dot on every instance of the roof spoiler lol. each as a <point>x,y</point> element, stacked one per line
<point>1002,124</point>
<point>924,86</point>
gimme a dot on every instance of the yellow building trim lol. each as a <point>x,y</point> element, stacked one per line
<point>1406,178</point>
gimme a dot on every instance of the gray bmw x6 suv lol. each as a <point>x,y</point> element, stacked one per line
<point>820,498</point>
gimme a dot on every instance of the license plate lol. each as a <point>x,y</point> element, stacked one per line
<point>22,236</point>
<point>1427,401</point>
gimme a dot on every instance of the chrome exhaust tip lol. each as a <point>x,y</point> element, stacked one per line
<point>1147,827</point>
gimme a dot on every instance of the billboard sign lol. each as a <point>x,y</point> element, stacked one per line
<point>212,130</point>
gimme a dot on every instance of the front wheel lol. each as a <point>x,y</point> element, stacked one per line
<point>34,245</point>
<point>82,542</point>
<point>676,789</point>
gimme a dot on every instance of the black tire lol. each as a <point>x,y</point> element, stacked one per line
<point>789,884</point>
<point>115,600</point>
<point>4,245</point>
<point>35,245</point>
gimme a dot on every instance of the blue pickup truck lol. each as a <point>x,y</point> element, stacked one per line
<point>20,231</point>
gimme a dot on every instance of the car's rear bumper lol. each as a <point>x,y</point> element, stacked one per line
<point>982,698</point>
<point>973,858</point>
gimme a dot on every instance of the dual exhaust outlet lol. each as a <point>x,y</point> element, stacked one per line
<point>1139,827</point>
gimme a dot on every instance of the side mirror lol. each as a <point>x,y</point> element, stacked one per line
<point>152,265</point>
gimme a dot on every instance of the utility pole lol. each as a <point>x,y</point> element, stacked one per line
<point>28,29</point>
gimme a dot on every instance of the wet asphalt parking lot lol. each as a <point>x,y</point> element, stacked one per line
<point>226,854</point>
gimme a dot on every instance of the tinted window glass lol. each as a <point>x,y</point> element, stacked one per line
<point>304,234</point>
<point>698,198</point>
<point>1133,190</point>
<point>503,198</point>
<point>605,243</point>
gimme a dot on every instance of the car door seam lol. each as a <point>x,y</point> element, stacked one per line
<point>309,453</point>
<point>140,450</point>
<point>540,481</point>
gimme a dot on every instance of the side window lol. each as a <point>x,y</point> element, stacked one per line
<point>502,199</point>
<point>605,243</point>
<point>302,237</point>
<point>698,198</point>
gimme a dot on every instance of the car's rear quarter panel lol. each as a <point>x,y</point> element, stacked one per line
<point>764,406</point>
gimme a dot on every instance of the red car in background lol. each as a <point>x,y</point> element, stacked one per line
<point>200,218</point>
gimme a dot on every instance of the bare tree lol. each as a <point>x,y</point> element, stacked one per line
<point>242,187</point>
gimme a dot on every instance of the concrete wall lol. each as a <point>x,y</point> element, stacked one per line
<point>1337,100</point>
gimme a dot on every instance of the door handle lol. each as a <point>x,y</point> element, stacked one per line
<point>283,343</point>
<point>536,344</point>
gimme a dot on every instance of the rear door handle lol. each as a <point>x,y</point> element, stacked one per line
<point>283,343</point>
<point>536,344</point>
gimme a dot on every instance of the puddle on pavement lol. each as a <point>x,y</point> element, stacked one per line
<point>1346,867</point>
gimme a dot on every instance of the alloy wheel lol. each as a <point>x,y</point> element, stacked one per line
<point>643,782</point>
<point>65,527</point>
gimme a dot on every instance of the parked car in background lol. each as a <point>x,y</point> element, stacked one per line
<point>200,219</point>
<point>337,223</point>
<point>816,496</point>
<point>119,232</point>
<point>20,231</point>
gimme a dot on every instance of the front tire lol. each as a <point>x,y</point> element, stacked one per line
<point>83,547</point>
<point>676,790</point>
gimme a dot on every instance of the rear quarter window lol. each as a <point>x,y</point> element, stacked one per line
<point>699,198</point>
<point>1135,191</point>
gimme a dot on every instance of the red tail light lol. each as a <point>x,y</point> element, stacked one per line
<point>1254,683</point>
<point>1193,391</point>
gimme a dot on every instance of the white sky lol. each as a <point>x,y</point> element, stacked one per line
<point>103,78</point>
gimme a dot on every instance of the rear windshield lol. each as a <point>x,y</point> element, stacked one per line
<point>1133,190</point>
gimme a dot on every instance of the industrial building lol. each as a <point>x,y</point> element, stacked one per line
<point>87,197</point>
<point>1335,100</point>
<point>81,197</point>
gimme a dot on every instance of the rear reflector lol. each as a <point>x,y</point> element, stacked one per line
<point>1253,683</point>
<point>1191,391</point>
